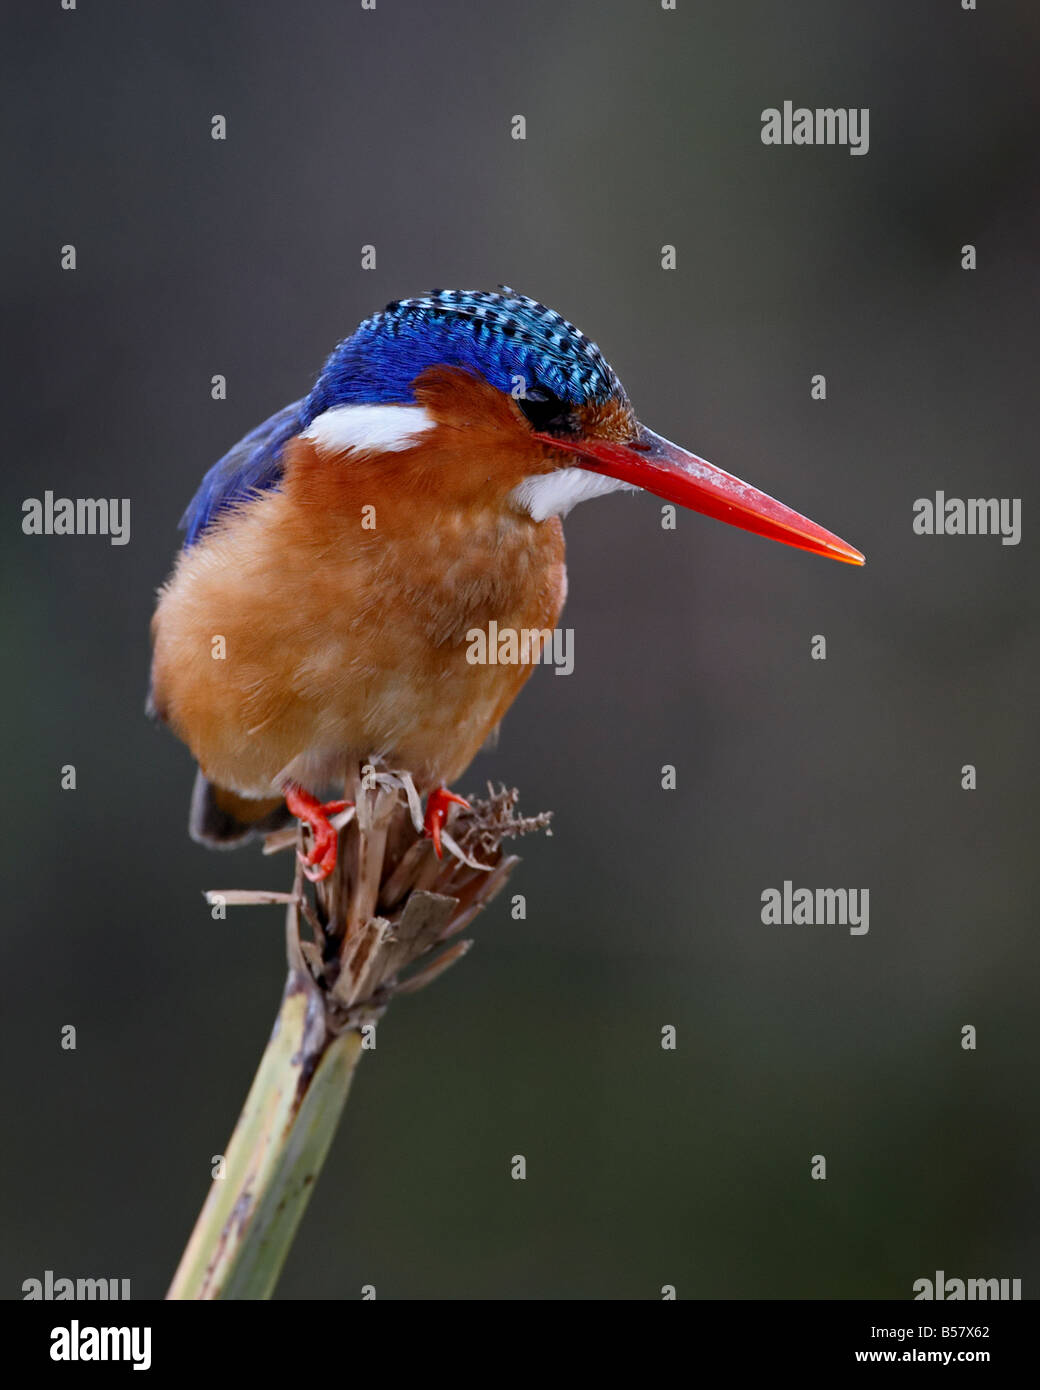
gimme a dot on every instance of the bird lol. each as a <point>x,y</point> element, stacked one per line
<point>339,556</point>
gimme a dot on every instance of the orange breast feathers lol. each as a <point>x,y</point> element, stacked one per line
<point>327,621</point>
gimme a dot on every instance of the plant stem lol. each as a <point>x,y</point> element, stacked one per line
<point>339,982</point>
<point>250,1216</point>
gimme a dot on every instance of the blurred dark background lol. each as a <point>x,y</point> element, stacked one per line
<point>196,257</point>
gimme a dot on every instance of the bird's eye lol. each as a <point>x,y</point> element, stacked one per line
<point>546,412</point>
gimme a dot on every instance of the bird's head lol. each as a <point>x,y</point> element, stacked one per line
<point>457,362</point>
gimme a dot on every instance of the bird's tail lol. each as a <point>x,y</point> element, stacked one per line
<point>223,820</point>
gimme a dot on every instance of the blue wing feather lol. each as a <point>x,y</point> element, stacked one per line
<point>253,465</point>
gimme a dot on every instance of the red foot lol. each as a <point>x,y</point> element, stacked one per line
<point>438,804</point>
<point>320,862</point>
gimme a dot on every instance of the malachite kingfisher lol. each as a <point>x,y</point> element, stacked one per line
<point>337,557</point>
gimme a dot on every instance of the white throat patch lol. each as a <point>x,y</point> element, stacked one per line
<point>554,494</point>
<point>368,429</point>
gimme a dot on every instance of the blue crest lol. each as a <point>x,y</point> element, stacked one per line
<point>501,335</point>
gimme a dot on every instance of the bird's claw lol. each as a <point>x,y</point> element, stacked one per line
<point>319,862</point>
<point>438,805</point>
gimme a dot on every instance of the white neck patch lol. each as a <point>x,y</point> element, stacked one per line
<point>554,494</point>
<point>368,429</point>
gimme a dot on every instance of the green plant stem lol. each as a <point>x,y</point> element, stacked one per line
<point>279,1144</point>
<point>339,982</point>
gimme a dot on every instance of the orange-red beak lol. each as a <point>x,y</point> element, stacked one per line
<point>671,473</point>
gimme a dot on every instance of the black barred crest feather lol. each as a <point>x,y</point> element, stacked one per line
<point>517,344</point>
